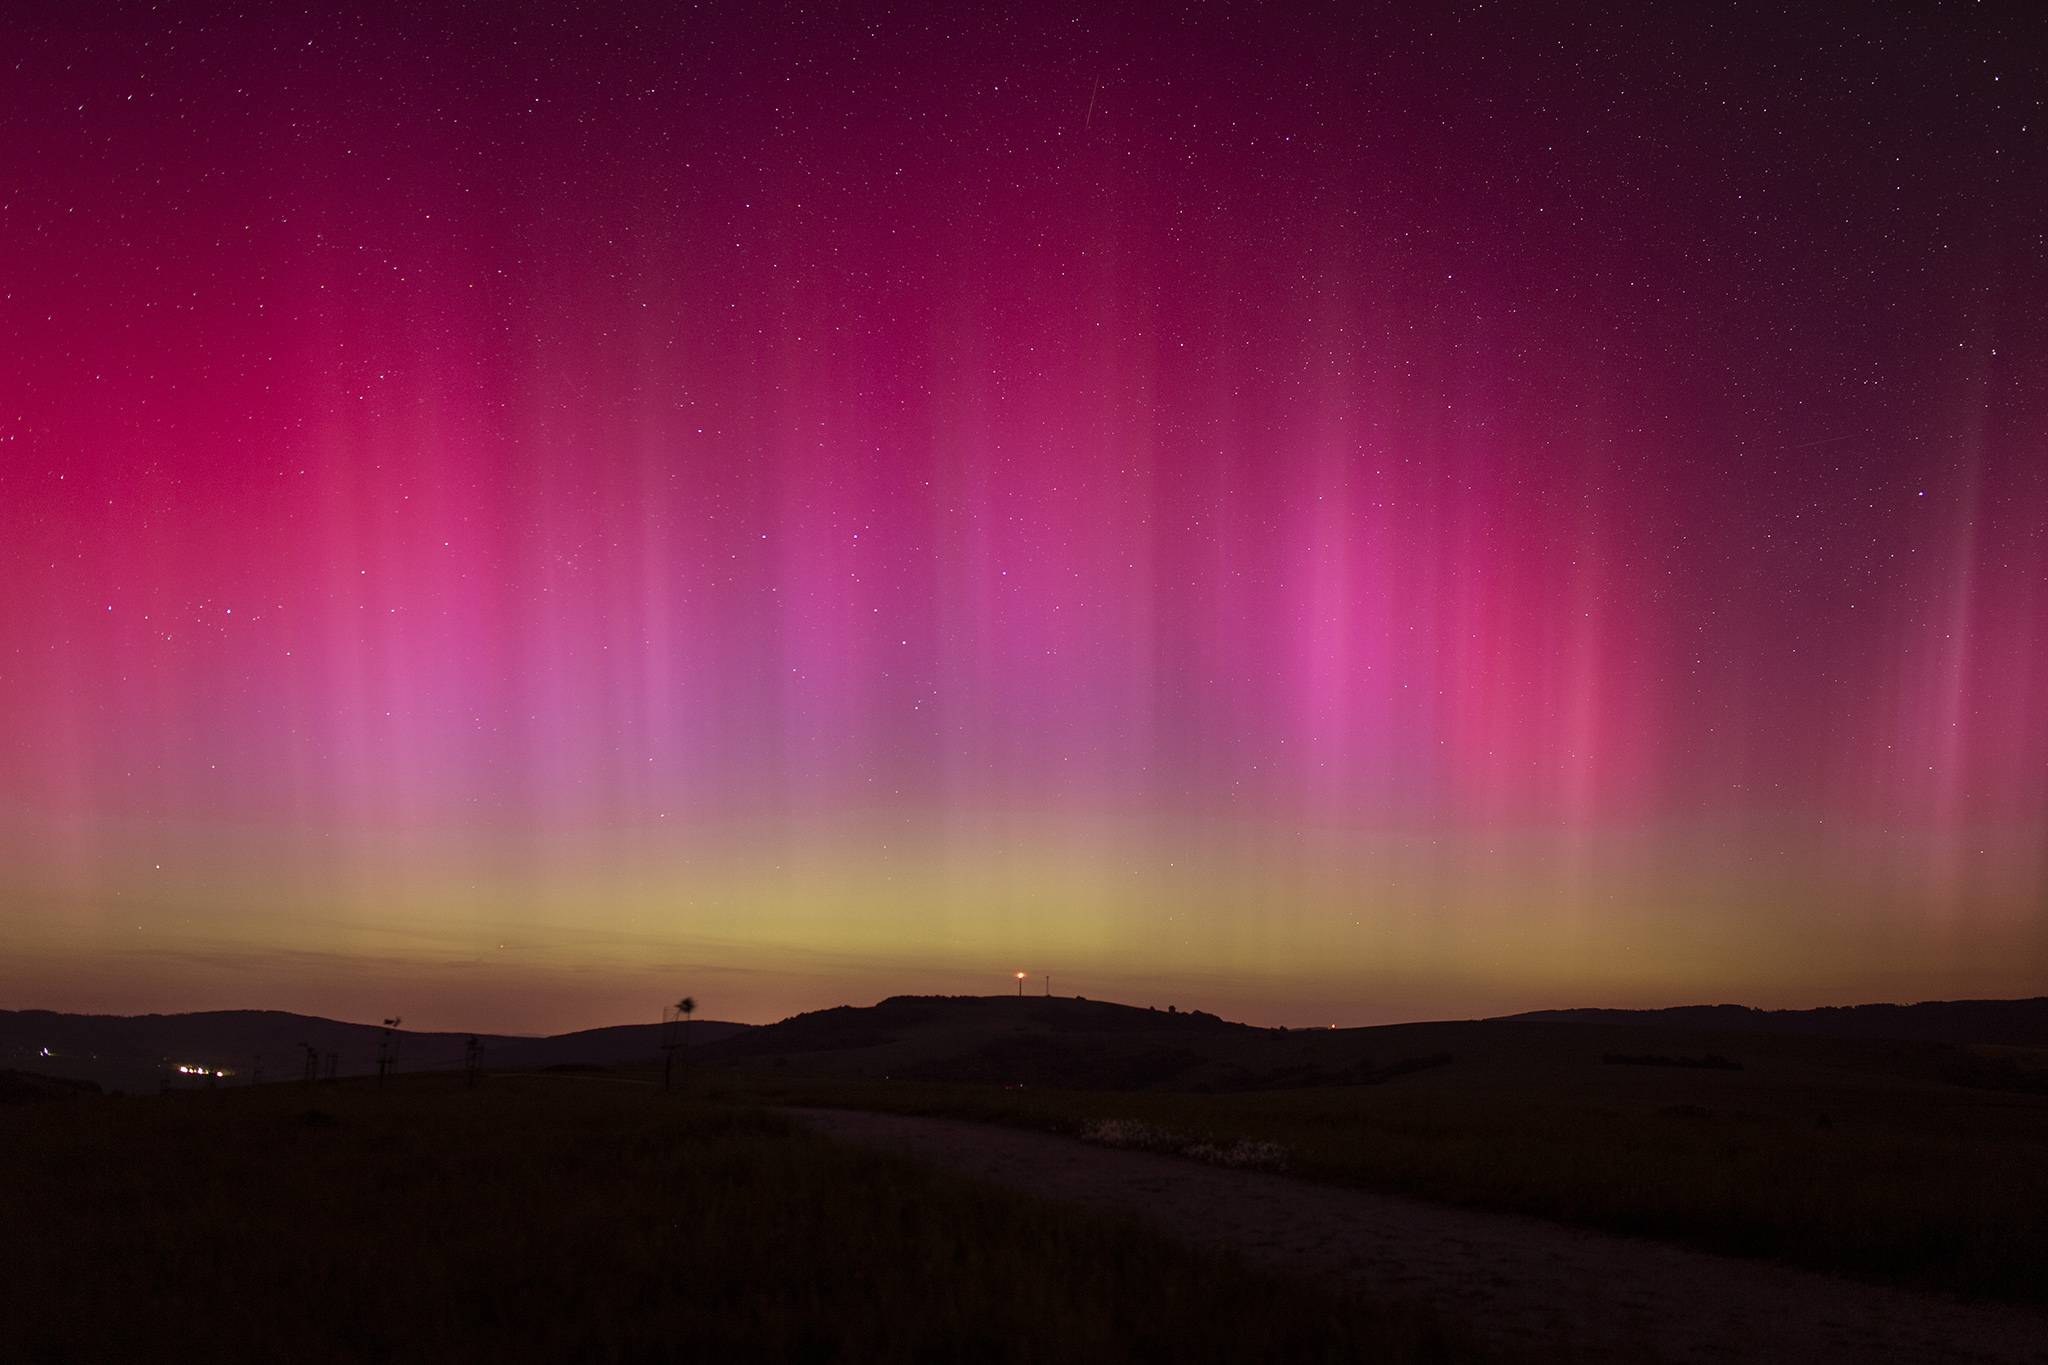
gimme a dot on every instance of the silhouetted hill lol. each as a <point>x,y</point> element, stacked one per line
<point>852,1026</point>
<point>138,1052</point>
<point>1057,1043</point>
<point>2015,1022</point>
<point>1072,1044</point>
<point>1037,1041</point>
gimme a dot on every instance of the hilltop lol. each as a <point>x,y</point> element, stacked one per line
<point>1056,1041</point>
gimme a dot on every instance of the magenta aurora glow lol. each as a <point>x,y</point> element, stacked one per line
<point>1319,516</point>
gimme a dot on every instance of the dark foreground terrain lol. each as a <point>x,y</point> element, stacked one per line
<point>573,1218</point>
<point>1530,1289</point>
<point>1907,1162</point>
<point>1919,1160</point>
<point>144,1053</point>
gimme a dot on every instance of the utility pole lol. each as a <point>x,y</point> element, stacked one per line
<point>473,1061</point>
<point>387,1052</point>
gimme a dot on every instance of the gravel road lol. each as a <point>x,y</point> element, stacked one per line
<point>1529,1288</point>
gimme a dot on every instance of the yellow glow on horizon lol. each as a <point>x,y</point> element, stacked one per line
<point>1263,924</point>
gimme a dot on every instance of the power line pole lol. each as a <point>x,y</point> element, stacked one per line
<point>387,1052</point>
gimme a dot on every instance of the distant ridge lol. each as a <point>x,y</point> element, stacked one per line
<point>1932,1021</point>
<point>849,1027</point>
<point>1064,1042</point>
<point>134,1052</point>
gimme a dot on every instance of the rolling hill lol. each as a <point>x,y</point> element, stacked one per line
<point>143,1052</point>
<point>2015,1022</point>
<point>1057,1041</point>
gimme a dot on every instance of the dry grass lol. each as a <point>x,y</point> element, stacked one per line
<point>558,1219</point>
<point>1848,1173</point>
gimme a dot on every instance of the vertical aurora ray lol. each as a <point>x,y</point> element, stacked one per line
<point>1298,537</point>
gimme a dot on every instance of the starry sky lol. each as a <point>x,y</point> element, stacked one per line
<point>1317,513</point>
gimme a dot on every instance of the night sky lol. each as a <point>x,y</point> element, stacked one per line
<point>1318,514</point>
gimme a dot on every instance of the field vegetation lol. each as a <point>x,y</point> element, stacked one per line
<point>571,1218</point>
<point>1853,1156</point>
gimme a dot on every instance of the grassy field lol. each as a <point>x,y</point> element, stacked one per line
<point>1841,1155</point>
<point>558,1218</point>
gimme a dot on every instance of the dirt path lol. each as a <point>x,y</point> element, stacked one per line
<point>1532,1288</point>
